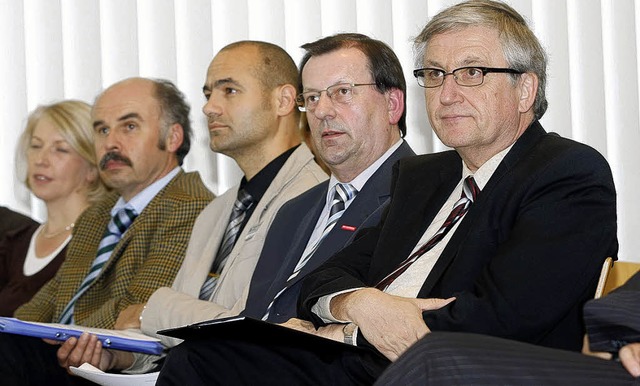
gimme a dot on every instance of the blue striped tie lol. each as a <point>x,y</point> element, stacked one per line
<point>240,207</point>
<point>343,194</point>
<point>111,237</point>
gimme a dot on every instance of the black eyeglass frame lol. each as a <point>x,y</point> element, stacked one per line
<point>484,70</point>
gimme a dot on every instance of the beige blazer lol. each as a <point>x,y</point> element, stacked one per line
<point>179,305</point>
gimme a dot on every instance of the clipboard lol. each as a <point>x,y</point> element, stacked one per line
<point>124,340</point>
<point>257,331</point>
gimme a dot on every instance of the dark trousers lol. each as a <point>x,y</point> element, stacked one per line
<point>27,361</point>
<point>232,362</point>
<point>467,359</point>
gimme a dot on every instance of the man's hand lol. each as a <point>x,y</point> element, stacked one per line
<point>587,351</point>
<point>129,317</point>
<point>332,331</point>
<point>390,323</point>
<point>88,349</point>
<point>85,349</point>
<point>630,357</point>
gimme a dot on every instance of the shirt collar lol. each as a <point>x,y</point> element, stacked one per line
<point>259,184</point>
<point>484,173</point>
<point>362,178</point>
<point>142,199</point>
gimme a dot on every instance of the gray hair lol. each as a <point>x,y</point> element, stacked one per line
<point>521,48</point>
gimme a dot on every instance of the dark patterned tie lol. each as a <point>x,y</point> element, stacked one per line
<point>343,193</point>
<point>469,193</point>
<point>240,207</point>
<point>111,237</point>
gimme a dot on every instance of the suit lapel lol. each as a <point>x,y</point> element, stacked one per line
<point>135,228</point>
<point>482,205</point>
<point>419,204</point>
<point>367,205</point>
<point>313,206</point>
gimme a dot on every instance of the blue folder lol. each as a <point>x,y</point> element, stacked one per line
<point>117,340</point>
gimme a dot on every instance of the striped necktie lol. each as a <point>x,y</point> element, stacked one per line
<point>343,193</point>
<point>111,237</point>
<point>240,207</point>
<point>469,193</point>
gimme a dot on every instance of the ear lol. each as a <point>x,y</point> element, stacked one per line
<point>285,99</point>
<point>175,136</point>
<point>92,175</point>
<point>395,105</point>
<point>528,85</point>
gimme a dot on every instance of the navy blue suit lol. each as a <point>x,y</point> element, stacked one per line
<point>290,231</point>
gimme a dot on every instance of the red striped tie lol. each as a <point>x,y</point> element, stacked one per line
<point>469,193</point>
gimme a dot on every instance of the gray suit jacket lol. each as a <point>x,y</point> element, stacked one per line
<point>290,232</point>
<point>179,305</point>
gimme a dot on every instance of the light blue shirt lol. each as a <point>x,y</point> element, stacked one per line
<point>142,199</point>
<point>357,183</point>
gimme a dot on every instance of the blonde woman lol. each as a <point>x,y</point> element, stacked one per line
<point>57,149</point>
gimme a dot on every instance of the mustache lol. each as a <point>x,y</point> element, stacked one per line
<point>113,156</point>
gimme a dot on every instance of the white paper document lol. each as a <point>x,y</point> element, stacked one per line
<point>98,376</point>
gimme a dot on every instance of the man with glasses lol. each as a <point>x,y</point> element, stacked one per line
<point>505,235</point>
<point>357,129</point>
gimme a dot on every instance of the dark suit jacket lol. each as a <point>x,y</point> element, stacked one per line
<point>16,288</point>
<point>147,257</point>
<point>290,232</point>
<point>524,259</point>
<point>13,221</point>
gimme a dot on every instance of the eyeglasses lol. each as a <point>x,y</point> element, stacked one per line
<point>338,93</point>
<point>464,76</point>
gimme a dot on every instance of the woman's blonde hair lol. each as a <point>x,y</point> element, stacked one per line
<point>73,119</point>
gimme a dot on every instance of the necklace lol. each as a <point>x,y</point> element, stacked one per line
<point>52,235</point>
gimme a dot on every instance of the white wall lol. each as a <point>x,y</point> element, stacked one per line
<point>74,48</point>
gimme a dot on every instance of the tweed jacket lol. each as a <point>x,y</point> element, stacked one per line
<point>179,305</point>
<point>147,257</point>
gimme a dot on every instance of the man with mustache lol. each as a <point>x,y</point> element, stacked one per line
<point>126,246</point>
<point>250,91</point>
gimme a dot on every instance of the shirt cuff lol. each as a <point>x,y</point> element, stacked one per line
<point>355,336</point>
<point>322,308</point>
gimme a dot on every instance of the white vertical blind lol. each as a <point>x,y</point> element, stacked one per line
<point>585,73</point>
<point>551,28</point>
<point>81,61</point>
<point>620,55</point>
<point>118,23</point>
<point>74,48</point>
<point>13,100</point>
<point>194,49</point>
